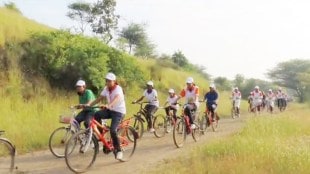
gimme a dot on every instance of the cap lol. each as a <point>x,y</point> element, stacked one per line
<point>150,83</point>
<point>190,80</point>
<point>270,90</point>
<point>236,88</point>
<point>256,87</point>
<point>80,83</point>
<point>212,85</point>
<point>171,91</point>
<point>110,76</point>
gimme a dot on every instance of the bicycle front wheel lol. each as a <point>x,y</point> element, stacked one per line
<point>81,151</point>
<point>196,133</point>
<point>160,125</point>
<point>7,156</point>
<point>179,133</point>
<point>128,146</point>
<point>57,141</point>
<point>137,125</point>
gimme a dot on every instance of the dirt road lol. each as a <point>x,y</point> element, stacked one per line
<point>150,152</point>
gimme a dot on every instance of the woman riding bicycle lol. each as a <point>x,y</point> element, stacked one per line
<point>86,96</point>
<point>191,94</point>
<point>211,98</point>
<point>236,98</point>
<point>151,95</point>
<point>172,101</point>
<point>115,109</point>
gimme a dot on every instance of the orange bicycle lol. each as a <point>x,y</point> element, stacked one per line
<point>82,148</point>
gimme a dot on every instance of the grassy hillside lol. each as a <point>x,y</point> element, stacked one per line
<point>14,26</point>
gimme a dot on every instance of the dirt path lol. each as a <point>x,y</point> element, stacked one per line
<point>150,152</point>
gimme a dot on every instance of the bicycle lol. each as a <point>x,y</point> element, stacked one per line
<point>182,128</point>
<point>207,120</point>
<point>234,111</point>
<point>163,124</point>
<point>59,137</point>
<point>82,148</point>
<point>7,155</point>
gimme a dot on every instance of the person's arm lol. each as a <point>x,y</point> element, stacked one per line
<point>140,99</point>
<point>113,102</point>
<point>97,100</point>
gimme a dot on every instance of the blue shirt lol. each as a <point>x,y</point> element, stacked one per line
<point>211,97</point>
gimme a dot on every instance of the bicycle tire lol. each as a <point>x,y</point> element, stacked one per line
<point>196,133</point>
<point>137,125</point>
<point>179,133</point>
<point>203,125</point>
<point>128,147</point>
<point>169,124</point>
<point>160,125</point>
<point>57,141</point>
<point>7,156</point>
<point>214,125</point>
<point>79,160</point>
<point>233,113</point>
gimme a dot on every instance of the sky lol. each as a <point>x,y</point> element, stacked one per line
<point>228,37</point>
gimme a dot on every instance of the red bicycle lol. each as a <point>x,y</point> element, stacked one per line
<point>82,148</point>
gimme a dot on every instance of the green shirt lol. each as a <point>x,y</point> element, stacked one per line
<point>86,97</point>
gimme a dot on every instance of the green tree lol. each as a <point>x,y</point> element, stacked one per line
<point>290,74</point>
<point>145,49</point>
<point>80,12</point>
<point>135,35</point>
<point>179,58</point>
<point>239,81</point>
<point>12,6</point>
<point>222,83</point>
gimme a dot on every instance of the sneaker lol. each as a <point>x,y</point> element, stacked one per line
<point>193,126</point>
<point>152,130</point>
<point>119,155</point>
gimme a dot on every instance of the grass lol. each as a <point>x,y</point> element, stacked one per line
<point>267,144</point>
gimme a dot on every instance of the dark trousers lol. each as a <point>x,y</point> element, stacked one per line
<point>150,110</point>
<point>174,110</point>
<point>86,116</point>
<point>116,119</point>
<point>188,110</point>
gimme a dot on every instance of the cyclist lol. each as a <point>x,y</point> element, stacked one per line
<point>236,98</point>
<point>151,95</point>
<point>270,97</point>
<point>114,109</point>
<point>250,101</point>
<point>211,98</point>
<point>191,94</point>
<point>172,101</point>
<point>86,96</point>
<point>280,98</point>
<point>257,96</point>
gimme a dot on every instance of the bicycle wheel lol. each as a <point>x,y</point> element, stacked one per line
<point>214,124</point>
<point>7,156</point>
<point>203,125</point>
<point>57,141</point>
<point>81,151</point>
<point>179,133</point>
<point>196,133</point>
<point>233,113</point>
<point>137,125</point>
<point>169,124</point>
<point>160,125</point>
<point>128,146</point>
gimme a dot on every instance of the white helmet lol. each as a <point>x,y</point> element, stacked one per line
<point>150,83</point>
<point>171,91</point>
<point>110,76</point>
<point>212,85</point>
<point>190,80</point>
<point>80,83</point>
<point>256,87</point>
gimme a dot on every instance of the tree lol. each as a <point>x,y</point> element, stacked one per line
<point>104,20</point>
<point>145,49</point>
<point>222,83</point>
<point>135,35</point>
<point>239,80</point>
<point>289,74</point>
<point>12,6</point>
<point>81,12</point>
<point>179,59</point>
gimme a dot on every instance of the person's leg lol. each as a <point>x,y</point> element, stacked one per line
<point>187,111</point>
<point>116,119</point>
<point>167,109</point>
<point>80,117</point>
<point>102,114</point>
<point>88,116</point>
<point>148,115</point>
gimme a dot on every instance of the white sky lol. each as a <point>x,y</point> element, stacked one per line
<point>228,37</point>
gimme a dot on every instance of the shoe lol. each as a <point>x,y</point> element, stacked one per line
<point>193,126</point>
<point>152,130</point>
<point>119,155</point>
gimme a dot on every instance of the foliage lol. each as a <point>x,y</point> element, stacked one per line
<point>12,6</point>
<point>290,74</point>
<point>222,83</point>
<point>134,34</point>
<point>80,11</point>
<point>179,58</point>
<point>145,49</point>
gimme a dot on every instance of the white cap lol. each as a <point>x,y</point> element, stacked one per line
<point>236,88</point>
<point>190,80</point>
<point>110,76</point>
<point>80,83</point>
<point>171,91</point>
<point>270,90</point>
<point>150,83</point>
<point>212,85</point>
<point>256,87</point>
<point>280,88</point>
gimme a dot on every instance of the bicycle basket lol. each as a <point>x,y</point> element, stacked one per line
<point>65,119</point>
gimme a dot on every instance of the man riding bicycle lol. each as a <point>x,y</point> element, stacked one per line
<point>172,101</point>
<point>115,109</point>
<point>151,95</point>
<point>211,98</point>
<point>191,94</point>
<point>257,97</point>
<point>236,99</point>
<point>270,97</point>
<point>86,96</point>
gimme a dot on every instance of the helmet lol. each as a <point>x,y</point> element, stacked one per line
<point>150,83</point>
<point>190,80</point>
<point>110,76</point>
<point>171,91</point>
<point>256,87</point>
<point>80,83</point>
<point>212,85</point>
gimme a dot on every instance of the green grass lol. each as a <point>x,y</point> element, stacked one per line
<point>267,144</point>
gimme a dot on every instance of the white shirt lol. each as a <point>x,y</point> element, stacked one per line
<point>120,106</point>
<point>172,101</point>
<point>151,97</point>
<point>236,95</point>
